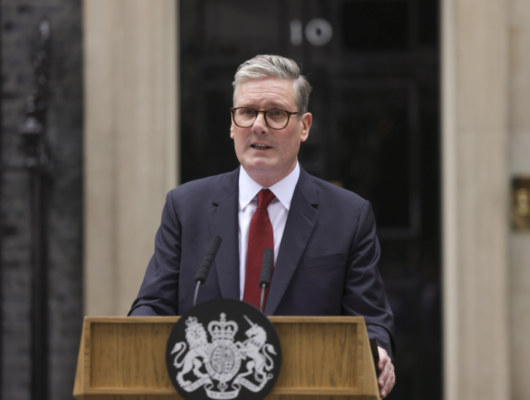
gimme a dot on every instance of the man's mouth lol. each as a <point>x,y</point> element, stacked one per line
<point>260,146</point>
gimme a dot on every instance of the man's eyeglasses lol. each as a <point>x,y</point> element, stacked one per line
<point>275,118</point>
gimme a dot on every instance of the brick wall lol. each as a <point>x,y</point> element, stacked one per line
<point>19,24</point>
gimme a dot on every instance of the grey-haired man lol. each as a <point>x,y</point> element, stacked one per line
<point>325,245</point>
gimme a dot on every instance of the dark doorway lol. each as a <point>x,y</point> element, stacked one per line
<point>374,68</point>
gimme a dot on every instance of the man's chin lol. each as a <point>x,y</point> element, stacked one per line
<point>259,165</point>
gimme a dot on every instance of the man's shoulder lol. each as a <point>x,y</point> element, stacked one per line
<point>330,192</point>
<point>205,188</point>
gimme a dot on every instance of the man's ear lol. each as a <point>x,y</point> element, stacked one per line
<point>306,120</point>
<point>232,130</point>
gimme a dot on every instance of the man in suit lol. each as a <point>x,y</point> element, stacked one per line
<point>325,245</point>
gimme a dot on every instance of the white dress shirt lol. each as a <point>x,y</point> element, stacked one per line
<point>278,210</point>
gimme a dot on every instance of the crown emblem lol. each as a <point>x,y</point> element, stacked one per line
<point>222,330</point>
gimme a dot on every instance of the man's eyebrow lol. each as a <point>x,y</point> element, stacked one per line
<point>271,105</point>
<point>277,105</point>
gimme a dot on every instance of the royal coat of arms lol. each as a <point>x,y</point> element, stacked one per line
<point>223,365</point>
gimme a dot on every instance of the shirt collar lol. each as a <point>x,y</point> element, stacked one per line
<point>283,190</point>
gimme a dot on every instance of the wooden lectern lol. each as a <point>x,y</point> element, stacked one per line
<point>323,358</point>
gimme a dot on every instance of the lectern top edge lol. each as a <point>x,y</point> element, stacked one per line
<point>274,319</point>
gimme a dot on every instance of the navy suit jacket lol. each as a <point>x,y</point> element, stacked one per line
<point>326,265</point>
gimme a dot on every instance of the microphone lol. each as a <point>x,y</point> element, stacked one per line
<point>266,269</point>
<point>206,264</point>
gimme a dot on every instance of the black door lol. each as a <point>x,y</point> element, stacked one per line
<point>374,68</point>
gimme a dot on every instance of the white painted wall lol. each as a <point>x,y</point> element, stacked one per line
<point>130,72</point>
<point>475,192</point>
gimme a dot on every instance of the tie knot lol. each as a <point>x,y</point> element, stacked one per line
<point>265,196</point>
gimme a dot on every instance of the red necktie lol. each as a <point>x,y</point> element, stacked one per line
<point>260,237</point>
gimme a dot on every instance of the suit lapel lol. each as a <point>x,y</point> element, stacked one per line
<point>224,223</point>
<point>301,221</point>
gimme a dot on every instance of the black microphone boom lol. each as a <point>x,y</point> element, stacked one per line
<point>207,262</point>
<point>266,269</point>
<point>208,259</point>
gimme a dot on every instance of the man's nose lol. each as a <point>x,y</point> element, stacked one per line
<point>260,125</point>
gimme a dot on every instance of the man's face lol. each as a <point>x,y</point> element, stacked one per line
<point>274,162</point>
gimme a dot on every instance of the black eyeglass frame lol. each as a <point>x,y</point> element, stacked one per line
<point>289,113</point>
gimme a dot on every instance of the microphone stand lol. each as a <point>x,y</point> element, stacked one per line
<point>263,287</point>
<point>196,292</point>
<point>265,277</point>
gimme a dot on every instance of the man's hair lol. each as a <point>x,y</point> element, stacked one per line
<point>269,66</point>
